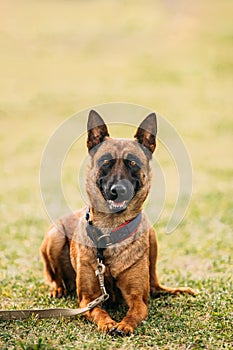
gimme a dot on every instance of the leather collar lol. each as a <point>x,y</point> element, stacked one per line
<point>117,235</point>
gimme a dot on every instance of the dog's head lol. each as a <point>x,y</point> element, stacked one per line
<point>119,174</point>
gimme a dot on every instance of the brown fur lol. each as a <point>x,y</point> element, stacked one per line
<point>68,253</point>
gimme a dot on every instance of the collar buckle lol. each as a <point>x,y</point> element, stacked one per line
<point>104,240</point>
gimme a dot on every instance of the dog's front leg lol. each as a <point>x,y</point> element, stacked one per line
<point>88,290</point>
<point>134,286</point>
<point>99,316</point>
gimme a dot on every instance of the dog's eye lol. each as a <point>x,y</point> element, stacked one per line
<point>132,163</point>
<point>106,162</point>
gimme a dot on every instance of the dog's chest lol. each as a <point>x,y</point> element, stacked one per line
<point>122,257</point>
<point>114,292</point>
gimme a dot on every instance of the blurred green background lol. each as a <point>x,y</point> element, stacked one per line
<point>60,57</point>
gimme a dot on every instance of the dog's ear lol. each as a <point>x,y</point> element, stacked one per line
<point>96,129</point>
<point>146,132</point>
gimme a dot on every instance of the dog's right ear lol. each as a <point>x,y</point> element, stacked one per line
<point>96,129</point>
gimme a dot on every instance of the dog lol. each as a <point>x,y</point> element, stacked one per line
<point>113,226</point>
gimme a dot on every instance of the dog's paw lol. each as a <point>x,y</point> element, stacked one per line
<point>106,327</point>
<point>58,292</point>
<point>121,329</point>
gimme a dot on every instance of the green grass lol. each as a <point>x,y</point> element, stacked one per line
<point>59,57</point>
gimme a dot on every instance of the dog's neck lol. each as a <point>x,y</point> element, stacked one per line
<point>103,239</point>
<point>100,219</point>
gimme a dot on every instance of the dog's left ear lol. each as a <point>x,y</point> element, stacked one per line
<point>96,129</point>
<point>146,132</point>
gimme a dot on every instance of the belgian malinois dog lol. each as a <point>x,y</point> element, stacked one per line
<point>114,226</point>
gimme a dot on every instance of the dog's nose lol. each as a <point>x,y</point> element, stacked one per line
<point>119,191</point>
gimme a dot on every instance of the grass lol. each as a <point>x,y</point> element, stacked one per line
<point>182,322</point>
<point>61,57</point>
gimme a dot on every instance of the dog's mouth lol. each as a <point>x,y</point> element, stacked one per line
<point>117,206</point>
<point>118,195</point>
